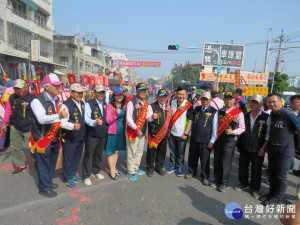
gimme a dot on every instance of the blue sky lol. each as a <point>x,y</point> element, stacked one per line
<point>153,25</point>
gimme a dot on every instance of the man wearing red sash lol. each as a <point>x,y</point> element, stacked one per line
<point>159,115</point>
<point>231,124</point>
<point>45,130</point>
<point>180,125</point>
<point>136,115</point>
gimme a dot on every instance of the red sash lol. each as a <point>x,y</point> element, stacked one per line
<point>161,134</point>
<point>131,133</point>
<point>227,120</point>
<point>45,141</point>
<point>178,113</point>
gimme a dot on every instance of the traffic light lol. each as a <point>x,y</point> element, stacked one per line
<point>173,47</point>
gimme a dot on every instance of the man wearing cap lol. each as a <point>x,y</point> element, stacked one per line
<point>73,134</point>
<point>136,114</point>
<point>203,137</point>
<point>281,127</point>
<point>216,101</point>
<point>45,131</point>
<point>193,97</point>
<point>18,114</point>
<point>231,124</point>
<point>180,125</point>
<point>239,101</point>
<point>96,132</point>
<point>250,144</point>
<point>127,95</point>
<point>159,115</point>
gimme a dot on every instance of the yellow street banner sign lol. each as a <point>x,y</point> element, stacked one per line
<point>250,90</point>
<point>227,78</point>
<point>255,78</point>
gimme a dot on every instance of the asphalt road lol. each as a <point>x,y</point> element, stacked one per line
<point>157,200</point>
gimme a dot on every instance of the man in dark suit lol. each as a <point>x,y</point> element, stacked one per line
<point>250,145</point>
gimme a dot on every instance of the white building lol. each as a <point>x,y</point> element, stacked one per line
<point>20,22</point>
<point>127,72</point>
<point>294,81</point>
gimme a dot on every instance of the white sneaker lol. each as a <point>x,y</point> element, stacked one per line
<point>87,181</point>
<point>99,176</point>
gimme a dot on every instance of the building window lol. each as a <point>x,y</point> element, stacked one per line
<point>1,29</point>
<point>18,8</point>
<point>46,47</point>
<point>40,19</point>
<point>19,38</point>
<point>63,61</point>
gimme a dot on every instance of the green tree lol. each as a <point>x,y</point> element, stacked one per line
<point>152,81</point>
<point>296,89</point>
<point>185,72</point>
<point>280,83</point>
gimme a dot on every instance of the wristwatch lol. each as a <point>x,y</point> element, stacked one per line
<point>186,135</point>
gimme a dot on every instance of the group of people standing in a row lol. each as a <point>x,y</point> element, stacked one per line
<point>121,124</point>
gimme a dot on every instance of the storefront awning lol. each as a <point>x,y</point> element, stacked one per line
<point>58,72</point>
<point>30,3</point>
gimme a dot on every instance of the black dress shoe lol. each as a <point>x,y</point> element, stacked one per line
<point>118,174</point>
<point>48,194</point>
<point>160,172</point>
<point>264,197</point>
<point>296,173</point>
<point>271,201</point>
<point>54,186</point>
<point>149,173</point>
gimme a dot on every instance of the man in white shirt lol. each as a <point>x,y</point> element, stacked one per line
<point>180,125</point>
<point>45,129</point>
<point>96,132</point>
<point>73,134</point>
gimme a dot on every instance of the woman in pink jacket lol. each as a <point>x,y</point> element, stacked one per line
<point>116,140</point>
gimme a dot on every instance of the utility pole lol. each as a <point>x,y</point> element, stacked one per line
<point>279,52</point>
<point>78,50</point>
<point>267,52</point>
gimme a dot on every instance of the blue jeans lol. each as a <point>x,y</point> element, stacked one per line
<point>279,165</point>
<point>177,151</point>
<point>45,165</point>
<point>292,164</point>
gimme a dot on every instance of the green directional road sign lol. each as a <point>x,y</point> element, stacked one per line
<point>219,65</point>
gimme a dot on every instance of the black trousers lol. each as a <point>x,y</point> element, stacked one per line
<point>256,169</point>
<point>72,151</point>
<point>93,152</point>
<point>223,156</point>
<point>156,155</point>
<point>279,163</point>
<point>199,150</point>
